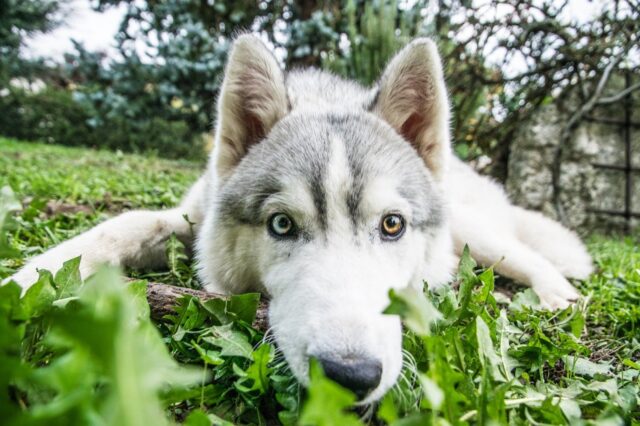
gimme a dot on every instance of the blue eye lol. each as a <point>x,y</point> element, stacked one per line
<point>281,225</point>
<point>392,227</point>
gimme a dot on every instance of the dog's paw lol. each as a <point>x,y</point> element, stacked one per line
<point>556,294</point>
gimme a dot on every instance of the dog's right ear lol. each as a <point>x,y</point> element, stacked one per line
<point>252,99</point>
<point>412,98</point>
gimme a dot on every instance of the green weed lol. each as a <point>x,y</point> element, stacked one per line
<point>87,353</point>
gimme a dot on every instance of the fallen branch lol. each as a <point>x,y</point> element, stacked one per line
<point>163,299</point>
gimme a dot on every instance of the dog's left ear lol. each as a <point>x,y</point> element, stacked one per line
<point>253,98</point>
<point>412,98</point>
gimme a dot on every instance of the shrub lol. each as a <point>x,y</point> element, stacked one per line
<point>54,116</point>
<point>50,116</point>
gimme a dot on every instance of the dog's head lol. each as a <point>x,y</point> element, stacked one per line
<point>327,205</point>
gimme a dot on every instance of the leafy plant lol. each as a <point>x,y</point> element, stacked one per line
<point>78,354</point>
<point>73,353</point>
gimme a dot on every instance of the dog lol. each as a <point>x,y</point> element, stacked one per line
<point>323,195</point>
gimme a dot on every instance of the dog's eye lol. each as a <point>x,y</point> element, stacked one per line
<point>392,227</point>
<point>281,225</point>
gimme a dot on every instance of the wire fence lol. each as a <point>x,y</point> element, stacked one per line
<point>628,168</point>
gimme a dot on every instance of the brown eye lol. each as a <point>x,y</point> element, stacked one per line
<point>392,227</point>
<point>281,225</point>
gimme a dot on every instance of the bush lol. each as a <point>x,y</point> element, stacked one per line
<point>170,139</point>
<point>53,116</point>
<point>50,116</point>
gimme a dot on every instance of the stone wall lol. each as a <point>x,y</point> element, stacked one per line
<point>584,187</point>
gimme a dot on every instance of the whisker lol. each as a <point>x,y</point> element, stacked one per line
<point>408,356</point>
<point>397,392</point>
<point>366,412</point>
<point>408,378</point>
<point>268,337</point>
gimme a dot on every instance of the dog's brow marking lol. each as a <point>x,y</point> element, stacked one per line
<point>337,180</point>
<point>245,206</point>
<point>344,125</point>
<point>316,184</point>
<point>355,193</point>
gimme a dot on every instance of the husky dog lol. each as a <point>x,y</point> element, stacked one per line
<point>324,195</point>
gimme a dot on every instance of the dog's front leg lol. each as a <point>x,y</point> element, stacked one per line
<point>516,260</point>
<point>132,239</point>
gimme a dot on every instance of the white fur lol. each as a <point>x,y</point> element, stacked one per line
<point>328,294</point>
<point>524,245</point>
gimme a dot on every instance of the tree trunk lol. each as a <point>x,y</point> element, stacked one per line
<point>163,298</point>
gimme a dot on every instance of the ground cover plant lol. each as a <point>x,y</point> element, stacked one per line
<point>88,353</point>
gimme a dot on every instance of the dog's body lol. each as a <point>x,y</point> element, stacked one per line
<point>324,195</point>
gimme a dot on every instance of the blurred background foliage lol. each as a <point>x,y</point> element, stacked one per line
<point>503,60</point>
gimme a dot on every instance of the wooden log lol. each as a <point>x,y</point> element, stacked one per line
<point>163,298</point>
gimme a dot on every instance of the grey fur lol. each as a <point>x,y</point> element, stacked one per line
<point>299,147</point>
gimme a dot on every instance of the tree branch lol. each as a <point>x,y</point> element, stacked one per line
<point>618,96</point>
<point>163,299</point>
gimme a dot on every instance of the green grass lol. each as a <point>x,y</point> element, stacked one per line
<point>87,353</point>
<point>85,186</point>
<point>95,177</point>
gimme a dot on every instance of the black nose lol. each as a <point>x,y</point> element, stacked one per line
<point>360,375</point>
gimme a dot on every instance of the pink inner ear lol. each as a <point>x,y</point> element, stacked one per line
<point>412,128</point>
<point>253,86</point>
<point>254,128</point>
<point>414,92</point>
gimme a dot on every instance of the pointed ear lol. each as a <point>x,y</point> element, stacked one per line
<point>252,99</point>
<point>412,98</point>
